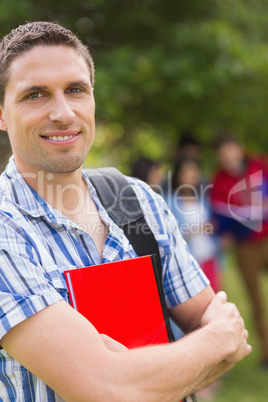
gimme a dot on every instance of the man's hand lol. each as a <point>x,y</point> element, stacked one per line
<point>224,317</point>
<point>212,311</point>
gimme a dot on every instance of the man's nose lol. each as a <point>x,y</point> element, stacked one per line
<point>61,110</point>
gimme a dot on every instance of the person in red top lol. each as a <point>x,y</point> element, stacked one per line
<point>239,200</point>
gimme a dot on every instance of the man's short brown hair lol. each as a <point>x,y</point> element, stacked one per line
<point>39,33</point>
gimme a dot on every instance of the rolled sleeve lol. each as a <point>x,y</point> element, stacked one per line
<point>15,308</point>
<point>26,285</point>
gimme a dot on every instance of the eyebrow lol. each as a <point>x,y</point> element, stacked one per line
<point>78,83</point>
<point>33,88</point>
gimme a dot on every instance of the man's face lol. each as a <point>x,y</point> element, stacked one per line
<point>49,110</point>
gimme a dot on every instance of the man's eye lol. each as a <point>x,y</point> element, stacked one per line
<point>75,90</point>
<point>34,95</point>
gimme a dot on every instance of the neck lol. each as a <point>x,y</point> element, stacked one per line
<point>64,192</point>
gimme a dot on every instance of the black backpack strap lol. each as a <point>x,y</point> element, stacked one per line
<point>121,203</point>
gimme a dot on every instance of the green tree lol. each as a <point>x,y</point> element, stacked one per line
<point>165,66</point>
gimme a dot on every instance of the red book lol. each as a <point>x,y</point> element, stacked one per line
<point>123,300</point>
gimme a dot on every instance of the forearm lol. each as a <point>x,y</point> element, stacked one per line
<point>165,373</point>
<point>188,314</point>
<point>222,368</point>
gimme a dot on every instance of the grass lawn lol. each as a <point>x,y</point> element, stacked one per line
<point>247,382</point>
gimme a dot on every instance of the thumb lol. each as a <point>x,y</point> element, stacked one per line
<point>221,296</point>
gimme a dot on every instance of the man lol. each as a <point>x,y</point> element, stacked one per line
<point>52,220</point>
<point>239,200</point>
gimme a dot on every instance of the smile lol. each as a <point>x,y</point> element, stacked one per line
<point>60,138</point>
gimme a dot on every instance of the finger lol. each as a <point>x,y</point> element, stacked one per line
<point>235,311</point>
<point>249,349</point>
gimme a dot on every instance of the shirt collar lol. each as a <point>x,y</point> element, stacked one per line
<point>15,188</point>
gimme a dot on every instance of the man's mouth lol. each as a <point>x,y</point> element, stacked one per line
<point>60,138</point>
<point>64,136</point>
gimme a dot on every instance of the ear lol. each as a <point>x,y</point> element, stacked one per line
<point>3,125</point>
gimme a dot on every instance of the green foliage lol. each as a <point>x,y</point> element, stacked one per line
<point>165,66</point>
<point>247,382</point>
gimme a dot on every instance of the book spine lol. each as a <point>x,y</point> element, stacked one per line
<point>71,291</point>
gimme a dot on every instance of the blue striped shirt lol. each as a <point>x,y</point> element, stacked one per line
<point>38,244</point>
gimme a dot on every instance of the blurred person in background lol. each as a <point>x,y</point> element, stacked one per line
<point>150,172</point>
<point>189,202</point>
<point>239,199</point>
<point>188,147</point>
